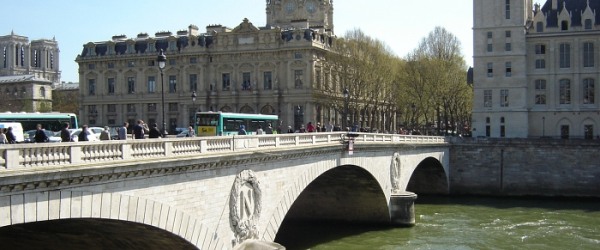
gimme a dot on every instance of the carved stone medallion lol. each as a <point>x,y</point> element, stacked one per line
<point>244,206</point>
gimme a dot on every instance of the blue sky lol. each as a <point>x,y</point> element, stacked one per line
<point>401,24</point>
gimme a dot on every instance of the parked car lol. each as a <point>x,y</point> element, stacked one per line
<point>96,130</point>
<point>52,136</point>
<point>75,135</point>
<point>183,133</point>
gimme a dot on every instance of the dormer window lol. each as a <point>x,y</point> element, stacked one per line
<point>539,27</point>
<point>564,25</point>
<point>588,24</point>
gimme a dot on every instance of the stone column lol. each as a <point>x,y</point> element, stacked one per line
<point>402,209</point>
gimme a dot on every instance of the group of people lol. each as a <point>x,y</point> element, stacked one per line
<point>7,136</point>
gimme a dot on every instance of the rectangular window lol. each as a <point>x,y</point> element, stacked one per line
<point>267,80</point>
<point>508,46</point>
<point>489,35</point>
<point>172,106</point>
<point>91,66</point>
<point>151,63</point>
<point>588,54</point>
<point>488,131</point>
<point>298,75</point>
<point>111,86</point>
<point>487,98</point>
<point>490,69</point>
<point>151,107</point>
<point>504,98</point>
<point>131,64</point>
<point>490,47</point>
<point>565,55</point>
<point>226,80</point>
<point>193,82</point>
<point>565,91</point>
<point>588,24</point>
<point>130,85</point>
<point>539,27</point>
<point>172,84</point>
<point>112,108</point>
<point>92,109</point>
<point>92,87</point>
<point>246,82</point>
<point>151,84</point>
<point>540,92</point>
<point>540,64</point>
<point>540,49</point>
<point>507,34</point>
<point>111,65</point>
<point>502,131</point>
<point>297,55</point>
<point>507,9</point>
<point>130,108</point>
<point>508,69</point>
<point>588,91</point>
<point>172,62</point>
<point>193,60</point>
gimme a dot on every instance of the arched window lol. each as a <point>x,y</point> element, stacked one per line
<point>565,91</point>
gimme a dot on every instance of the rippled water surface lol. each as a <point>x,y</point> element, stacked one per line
<point>468,223</point>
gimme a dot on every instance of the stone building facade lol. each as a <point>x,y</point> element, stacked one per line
<point>28,71</point>
<point>273,69</point>
<point>536,68</point>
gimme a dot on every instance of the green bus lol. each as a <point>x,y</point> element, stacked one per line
<point>50,121</point>
<point>224,123</point>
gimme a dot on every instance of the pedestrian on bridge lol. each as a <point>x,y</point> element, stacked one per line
<point>242,130</point>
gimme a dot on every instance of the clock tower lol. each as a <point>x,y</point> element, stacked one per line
<point>313,14</point>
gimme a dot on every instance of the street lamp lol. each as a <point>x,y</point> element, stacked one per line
<point>193,122</point>
<point>543,126</point>
<point>162,59</point>
<point>345,117</point>
<point>414,115</point>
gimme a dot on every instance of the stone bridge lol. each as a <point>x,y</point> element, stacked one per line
<point>216,192</point>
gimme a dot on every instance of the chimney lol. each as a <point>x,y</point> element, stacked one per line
<point>554,4</point>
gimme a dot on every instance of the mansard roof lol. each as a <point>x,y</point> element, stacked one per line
<point>575,8</point>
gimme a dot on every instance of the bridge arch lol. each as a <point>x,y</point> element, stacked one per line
<point>87,206</point>
<point>429,177</point>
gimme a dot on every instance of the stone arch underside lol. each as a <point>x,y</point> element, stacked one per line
<point>429,177</point>
<point>106,209</point>
<point>345,193</point>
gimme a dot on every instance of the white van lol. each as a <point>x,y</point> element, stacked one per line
<point>17,130</point>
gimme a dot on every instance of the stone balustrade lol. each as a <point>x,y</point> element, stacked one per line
<point>39,155</point>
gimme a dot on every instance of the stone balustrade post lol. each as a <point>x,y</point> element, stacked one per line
<point>126,151</point>
<point>203,146</point>
<point>12,158</point>
<point>168,147</point>
<point>75,154</point>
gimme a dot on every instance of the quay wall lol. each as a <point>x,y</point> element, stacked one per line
<point>525,167</point>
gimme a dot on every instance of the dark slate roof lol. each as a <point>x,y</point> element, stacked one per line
<point>575,7</point>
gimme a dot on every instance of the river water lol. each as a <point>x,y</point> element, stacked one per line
<point>466,223</point>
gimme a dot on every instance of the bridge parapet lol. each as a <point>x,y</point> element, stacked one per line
<point>16,156</point>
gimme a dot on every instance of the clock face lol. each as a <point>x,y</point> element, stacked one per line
<point>311,7</point>
<point>290,7</point>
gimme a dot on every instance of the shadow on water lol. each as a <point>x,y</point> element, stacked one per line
<point>306,234</point>
<point>588,204</point>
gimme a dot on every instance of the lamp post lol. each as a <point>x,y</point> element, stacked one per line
<point>414,114</point>
<point>193,122</point>
<point>543,126</point>
<point>345,117</point>
<point>162,59</point>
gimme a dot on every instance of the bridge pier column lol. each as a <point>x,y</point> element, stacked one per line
<point>402,209</point>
